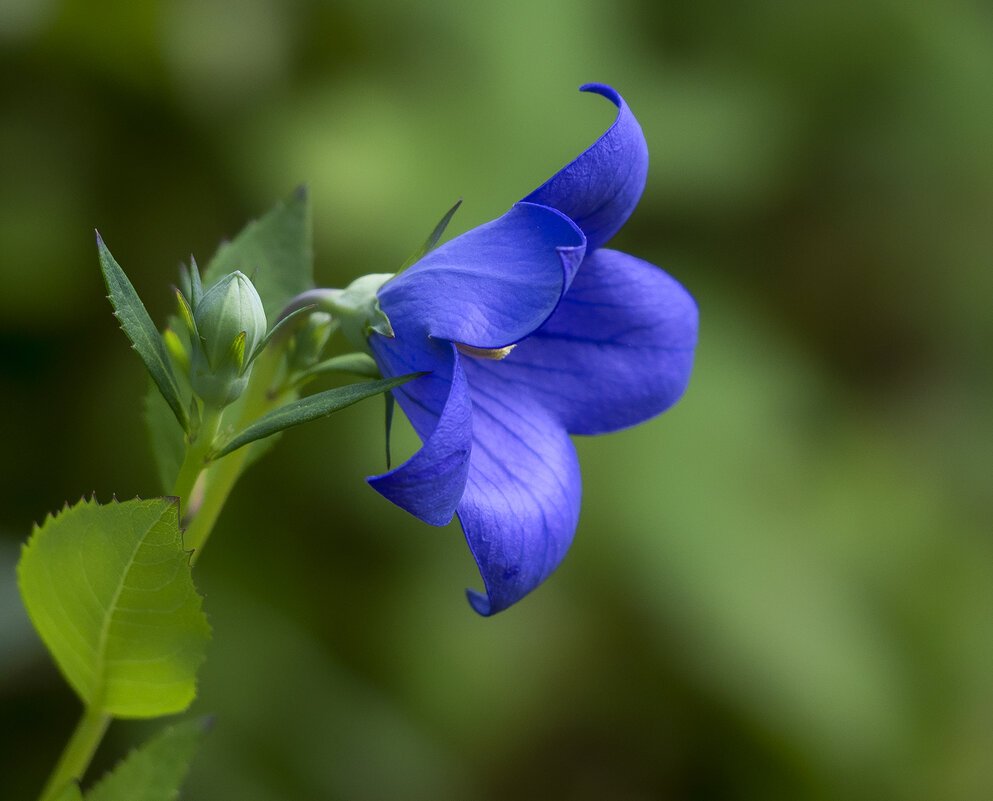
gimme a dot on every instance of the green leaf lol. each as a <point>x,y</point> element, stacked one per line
<point>155,771</point>
<point>432,240</point>
<point>186,314</point>
<point>167,439</point>
<point>196,285</point>
<point>282,326</point>
<point>110,592</point>
<point>313,407</point>
<point>140,329</point>
<point>276,250</point>
<point>353,363</point>
<point>177,351</point>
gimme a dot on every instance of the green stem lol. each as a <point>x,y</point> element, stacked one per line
<point>224,474</point>
<point>78,752</point>
<point>221,479</point>
<point>200,518</point>
<point>195,460</point>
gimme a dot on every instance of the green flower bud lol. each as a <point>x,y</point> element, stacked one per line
<point>230,325</point>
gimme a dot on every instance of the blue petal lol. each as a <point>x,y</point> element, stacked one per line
<point>492,285</point>
<point>521,501</point>
<point>430,484</point>
<point>600,189</point>
<point>617,351</point>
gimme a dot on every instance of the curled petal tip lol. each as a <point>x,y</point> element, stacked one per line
<point>479,602</point>
<point>606,91</point>
<point>600,188</point>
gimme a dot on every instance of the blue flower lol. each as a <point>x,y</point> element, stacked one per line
<point>602,341</point>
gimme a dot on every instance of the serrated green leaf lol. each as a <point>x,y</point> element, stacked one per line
<point>109,590</point>
<point>140,329</point>
<point>156,770</point>
<point>313,407</point>
<point>276,250</point>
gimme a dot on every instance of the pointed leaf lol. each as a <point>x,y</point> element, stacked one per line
<point>353,363</point>
<point>110,592</point>
<point>142,332</point>
<point>296,314</point>
<point>196,283</point>
<point>167,439</point>
<point>432,240</point>
<point>276,250</point>
<point>186,313</point>
<point>155,771</point>
<point>313,407</point>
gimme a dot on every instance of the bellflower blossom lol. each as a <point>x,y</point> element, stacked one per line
<point>531,330</point>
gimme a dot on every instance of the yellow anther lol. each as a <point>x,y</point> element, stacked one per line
<point>496,354</point>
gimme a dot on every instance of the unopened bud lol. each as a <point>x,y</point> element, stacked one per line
<point>230,325</point>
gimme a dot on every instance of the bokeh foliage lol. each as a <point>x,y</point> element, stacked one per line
<point>781,589</point>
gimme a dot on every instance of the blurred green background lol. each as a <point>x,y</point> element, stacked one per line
<point>782,589</point>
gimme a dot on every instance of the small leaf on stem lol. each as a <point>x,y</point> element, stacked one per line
<point>351,363</point>
<point>140,329</point>
<point>156,770</point>
<point>313,407</point>
<point>432,240</point>
<point>196,284</point>
<point>282,325</point>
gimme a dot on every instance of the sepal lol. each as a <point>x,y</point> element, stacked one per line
<point>432,241</point>
<point>357,309</point>
<point>305,410</point>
